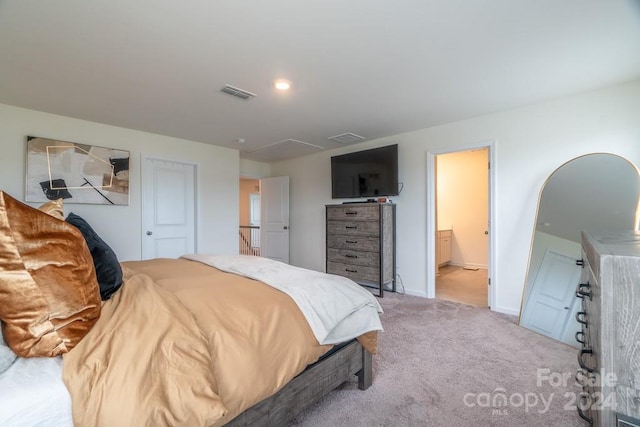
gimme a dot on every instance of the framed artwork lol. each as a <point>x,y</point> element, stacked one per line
<point>78,173</point>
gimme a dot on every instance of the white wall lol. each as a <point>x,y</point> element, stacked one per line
<point>531,142</point>
<point>253,169</point>
<point>463,205</point>
<point>120,226</point>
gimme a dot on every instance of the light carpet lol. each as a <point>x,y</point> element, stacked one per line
<point>442,363</point>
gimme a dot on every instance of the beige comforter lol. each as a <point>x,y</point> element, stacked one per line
<point>186,344</point>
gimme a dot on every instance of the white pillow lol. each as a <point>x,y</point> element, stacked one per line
<point>7,356</point>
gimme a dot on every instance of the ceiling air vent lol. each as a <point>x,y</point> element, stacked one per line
<point>347,138</point>
<point>237,92</point>
<point>282,150</point>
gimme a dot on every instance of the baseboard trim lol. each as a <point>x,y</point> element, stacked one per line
<point>506,310</point>
<point>415,293</point>
<point>480,266</point>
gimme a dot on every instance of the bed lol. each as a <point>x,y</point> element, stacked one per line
<point>201,340</point>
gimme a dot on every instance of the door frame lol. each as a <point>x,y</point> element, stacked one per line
<point>431,215</point>
<point>196,199</point>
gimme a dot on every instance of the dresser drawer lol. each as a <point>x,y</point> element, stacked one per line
<point>360,228</point>
<point>354,272</point>
<point>347,256</point>
<point>360,243</point>
<point>354,213</point>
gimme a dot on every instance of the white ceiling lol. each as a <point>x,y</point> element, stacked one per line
<point>371,67</point>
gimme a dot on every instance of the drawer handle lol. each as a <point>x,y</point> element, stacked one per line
<point>351,241</point>
<point>581,353</point>
<point>351,227</point>
<point>350,256</point>
<point>581,335</point>
<point>581,377</point>
<point>584,378</point>
<point>579,405</point>
<point>350,271</point>
<point>351,213</point>
<point>584,290</point>
<point>581,317</point>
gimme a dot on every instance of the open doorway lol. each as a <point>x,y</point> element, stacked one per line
<point>460,209</point>
<point>264,217</point>
<point>249,232</point>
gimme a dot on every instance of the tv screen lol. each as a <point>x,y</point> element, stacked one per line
<point>368,173</point>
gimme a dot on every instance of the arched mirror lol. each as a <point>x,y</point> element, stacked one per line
<point>595,192</point>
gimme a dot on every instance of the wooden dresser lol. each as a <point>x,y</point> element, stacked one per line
<point>361,243</point>
<point>609,359</point>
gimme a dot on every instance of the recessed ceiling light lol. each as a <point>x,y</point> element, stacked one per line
<point>282,84</point>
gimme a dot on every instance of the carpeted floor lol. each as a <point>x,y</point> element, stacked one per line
<point>442,363</point>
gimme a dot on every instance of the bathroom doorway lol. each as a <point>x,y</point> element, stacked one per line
<point>462,225</point>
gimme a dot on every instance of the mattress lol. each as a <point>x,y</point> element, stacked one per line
<point>33,394</point>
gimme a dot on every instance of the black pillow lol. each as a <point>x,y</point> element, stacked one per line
<point>108,270</point>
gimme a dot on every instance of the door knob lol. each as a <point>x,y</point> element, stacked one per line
<point>149,233</point>
<point>285,227</point>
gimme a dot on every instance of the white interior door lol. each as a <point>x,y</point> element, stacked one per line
<point>274,218</point>
<point>254,209</point>
<point>550,307</point>
<point>254,220</point>
<point>168,208</point>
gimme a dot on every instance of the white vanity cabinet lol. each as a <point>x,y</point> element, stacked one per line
<point>443,247</point>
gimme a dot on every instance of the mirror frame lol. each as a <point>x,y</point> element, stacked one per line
<point>636,225</point>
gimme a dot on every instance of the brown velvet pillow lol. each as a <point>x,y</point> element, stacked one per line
<point>53,208</point>
<point>49,295</point>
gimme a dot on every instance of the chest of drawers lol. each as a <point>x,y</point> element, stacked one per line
<point>360,243</point>
<point>610,329</point>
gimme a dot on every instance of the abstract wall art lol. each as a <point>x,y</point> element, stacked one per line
<point>78,173</point>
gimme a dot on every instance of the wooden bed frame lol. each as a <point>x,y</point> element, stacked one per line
<point>310,386</point>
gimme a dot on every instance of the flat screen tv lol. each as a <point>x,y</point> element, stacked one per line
<point>368,173</point>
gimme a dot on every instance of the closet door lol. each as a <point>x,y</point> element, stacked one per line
<point>168,208</point>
